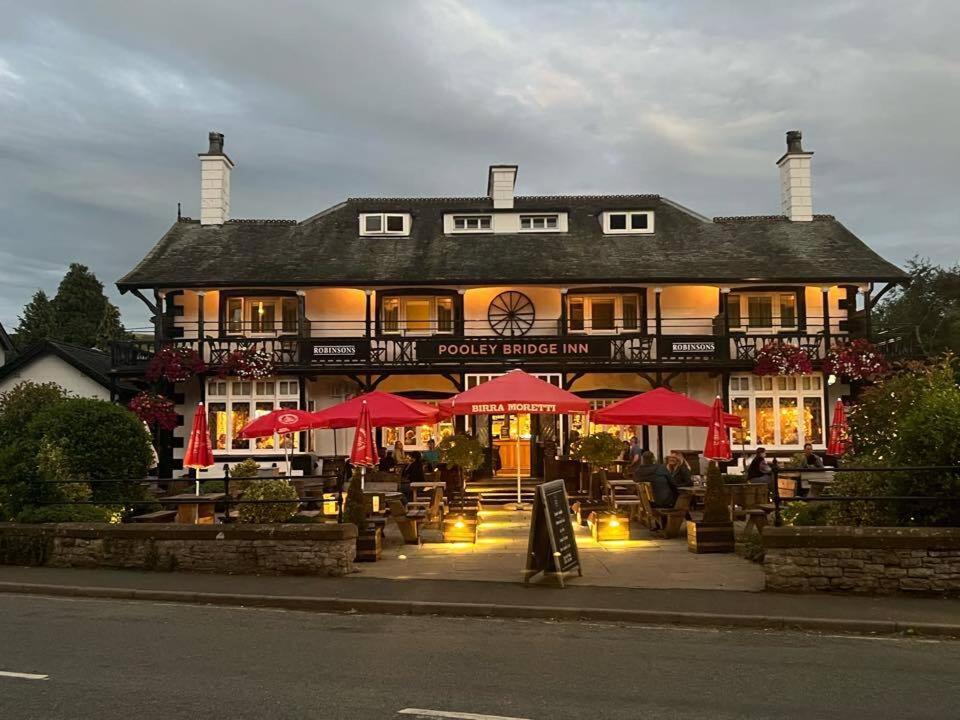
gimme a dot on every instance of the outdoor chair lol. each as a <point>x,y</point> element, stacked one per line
<point>667,521</point>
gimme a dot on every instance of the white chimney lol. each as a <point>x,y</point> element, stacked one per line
<point>500,184</point>
<point>796,193</point>
<point>215,169</point>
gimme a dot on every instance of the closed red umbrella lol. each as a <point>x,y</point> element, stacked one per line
<point>383,408</point>
<point>364,451</point>
<point>199,454</point>
<point>839,431</point>
<point>718,434</point>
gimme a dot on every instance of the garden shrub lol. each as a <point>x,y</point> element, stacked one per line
<point>806,513</point>
<point>268,512</point>
<point>600,449</point>
<point>211,486</point>
<point>68,514</point>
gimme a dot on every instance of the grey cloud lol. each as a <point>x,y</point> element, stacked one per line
<point>105,104</point>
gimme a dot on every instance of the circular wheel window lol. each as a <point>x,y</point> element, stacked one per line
<point>511,313</point>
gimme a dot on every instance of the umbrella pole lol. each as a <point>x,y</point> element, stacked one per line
<point>518,461</point>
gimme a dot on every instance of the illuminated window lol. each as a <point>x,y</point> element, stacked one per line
<point>417,315</point>
<point>578,423</point>
<point>262,315</point>
<point>416,437</point>
<point>234,403</point>
<point>762,312</point>
<point>603,313</point>
<point>778,411</point>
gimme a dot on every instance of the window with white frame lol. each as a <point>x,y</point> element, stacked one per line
<point>778,410</point>
<point>261,315</point>
<point>584,425</point>
<point>471,223</point>
<point>628,222</point>
<point>417,315</point>
<point>539,223</point>
<point>384,223</point>
<point>603,313</point>
<point>762,311</point>
<point>232,403</point>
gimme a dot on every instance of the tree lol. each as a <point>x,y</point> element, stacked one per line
<point>38,321</point>
<point>928,309</point>
<point>111,328</point>
<point>84,314</point>
<point>600,450</point>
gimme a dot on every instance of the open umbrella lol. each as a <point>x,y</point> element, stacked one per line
<point>280,422</point>
<point>383,408</point>
<point>516,392</point>
<point>199,454</point>
<point>718,434</point>
<point>839,431</point>
<point>661,406</point>
<point>364,451</point>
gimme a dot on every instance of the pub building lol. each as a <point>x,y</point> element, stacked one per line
<point>606,296</point>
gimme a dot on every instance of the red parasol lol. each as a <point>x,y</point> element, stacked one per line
<point>383,409</point>
<point>718,434</point>
<point>280,422</point>
<point>199,454</point>
<point>839,431</point>
<point>662,407</point>
<point>516,392</point>
<point>364,451</point>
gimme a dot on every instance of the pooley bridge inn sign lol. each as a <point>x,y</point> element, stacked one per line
<point>465,349</point>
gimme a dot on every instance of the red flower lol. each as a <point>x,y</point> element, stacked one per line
<point>856,360</point>
<point>175,364</point>
<point>154,409</point>
<point>248,363</point>
<point>780,358</point>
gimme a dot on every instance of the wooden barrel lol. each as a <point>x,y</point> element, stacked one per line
<point>710,537</point>
<point>369,545</point>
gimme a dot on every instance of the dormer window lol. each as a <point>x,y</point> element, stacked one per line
<point>627,222</point>
<point>384,224</point>
<point>539,223</point>
<point>471,223</point>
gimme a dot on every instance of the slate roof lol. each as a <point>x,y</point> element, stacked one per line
<point>5,342</point>
<point>92,363</point>
<point>327,249</point>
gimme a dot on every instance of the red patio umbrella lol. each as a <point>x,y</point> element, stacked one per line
<point>280,422</point>
<point>199,454</point>
<point>516,392</point>
<point>662,407</point>
<point>364,451</point>
<point>718,434</point>
<point>839,431</point>
<point>383,408</point>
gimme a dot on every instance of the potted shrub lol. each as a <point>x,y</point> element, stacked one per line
<point>467,455</point>
<point>714,533</point>
<point>369,539</point>
<point>600,449</point>
<point>265,512</point>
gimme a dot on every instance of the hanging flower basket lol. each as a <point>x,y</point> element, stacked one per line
<point>175,364</point>
<point>249,363</point>
<point>155,410</point>
<point>855,360</point>
<point>780,358</point>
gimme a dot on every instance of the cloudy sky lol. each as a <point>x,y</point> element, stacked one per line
<point>105,103</point>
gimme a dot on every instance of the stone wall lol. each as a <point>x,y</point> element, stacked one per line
<point>862,560</point>
<point>263,549</point>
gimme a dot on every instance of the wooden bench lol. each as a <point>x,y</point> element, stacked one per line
<point>160,516</point>
<point>665,520</point>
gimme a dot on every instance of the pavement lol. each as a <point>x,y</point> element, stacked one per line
<point>542,599</point>
<point>643,561</point>
<point>67,658</point>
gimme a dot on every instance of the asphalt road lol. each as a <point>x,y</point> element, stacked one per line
<point>110,659</point>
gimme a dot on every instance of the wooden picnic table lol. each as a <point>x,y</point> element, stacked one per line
<point>194,509</point>
<point>427,485</point>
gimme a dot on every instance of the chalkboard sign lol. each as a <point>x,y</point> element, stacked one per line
<point>552,547</point>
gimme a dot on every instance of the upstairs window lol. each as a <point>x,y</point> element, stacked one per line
<point>534,223</point>
<point>762,312</point>
<point>471,223</point>
<point>627,222</point>
<point>262,315</point>
<point>603,313</point>
<point>384,224</point>
<point>417,315</point>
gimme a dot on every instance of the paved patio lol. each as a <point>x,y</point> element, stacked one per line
<point>643,561</point>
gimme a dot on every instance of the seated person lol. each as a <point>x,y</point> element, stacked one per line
<point>679,469</point>
<point>649,470</point>
<point>386,461</point>
<point>810,458</point>
<point>413,472</point>
<point>759,469</point>
<point>431,456</point>
<point>399,456</point>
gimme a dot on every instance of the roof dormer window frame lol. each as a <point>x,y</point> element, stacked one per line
<point>540,222</point>
<point>465,223</point>
<point>627,222</point>
<point>380,224</point>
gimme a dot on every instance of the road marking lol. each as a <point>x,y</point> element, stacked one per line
<point>23,676</point>
<point>453,715</point>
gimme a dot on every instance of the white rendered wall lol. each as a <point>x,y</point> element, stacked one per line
<point>50,368</point>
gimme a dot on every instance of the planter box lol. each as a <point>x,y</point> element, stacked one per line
<point>369,545</point>
<point>461,527</point>
<point>710,537</point>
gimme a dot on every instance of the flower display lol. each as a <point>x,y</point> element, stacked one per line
<point>249,363</point>
<point>155,410</point>
<point>855,360</point>
<point>175,364</point>
<point>780,358</point>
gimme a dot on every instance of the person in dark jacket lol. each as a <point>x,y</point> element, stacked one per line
<point>759,469</point>
<point>649,470</point>
<point>679,469</point>
<point>810,458</point>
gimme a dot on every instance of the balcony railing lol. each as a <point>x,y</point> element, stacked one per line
<point>350,345</point>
